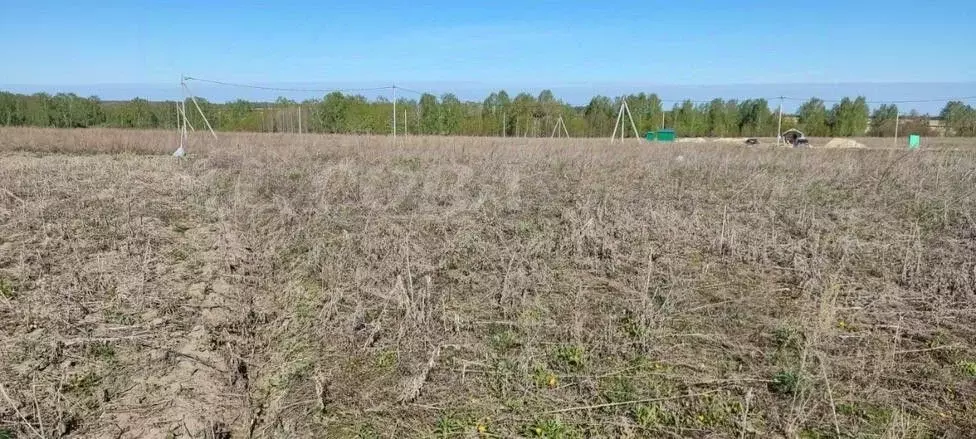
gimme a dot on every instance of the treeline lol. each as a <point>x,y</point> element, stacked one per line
<point>498,115</point>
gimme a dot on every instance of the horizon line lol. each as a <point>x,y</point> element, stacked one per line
<point>489,84</point>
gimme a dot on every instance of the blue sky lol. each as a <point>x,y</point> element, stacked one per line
<point>143,47</point>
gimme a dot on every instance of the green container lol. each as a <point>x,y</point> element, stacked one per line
<point>914,141</point>
<point>665,136</point>
<point>660,136</point>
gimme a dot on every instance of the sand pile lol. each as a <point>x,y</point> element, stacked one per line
<point>844,143</point>
<point>730,139</point>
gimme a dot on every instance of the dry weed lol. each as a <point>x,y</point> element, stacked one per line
<point>341,286</point>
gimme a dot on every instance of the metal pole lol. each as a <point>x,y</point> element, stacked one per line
<point>299,118</point>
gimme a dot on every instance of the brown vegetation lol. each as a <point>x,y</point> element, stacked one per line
<point>316,286</point>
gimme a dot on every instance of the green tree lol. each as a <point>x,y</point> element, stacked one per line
<point>647,111</point>
<point>599,115</point>
<point>429,114</point>
<point>689,119</point>
<point>8,109</point>
<point>722,118</point>
<point>883,120</point>
<point>332,113</point>
<point>451,114</point>
<point>813,118</point>
<point>548,109</point>
<point>959,119</point>
<point>849,117</point>
<point>755,119</point>
<point>138,113</point>
<point>492,114</point>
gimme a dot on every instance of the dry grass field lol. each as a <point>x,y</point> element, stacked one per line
<point>328,286</point>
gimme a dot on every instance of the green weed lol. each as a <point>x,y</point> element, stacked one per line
<point>387,359</point>
<point>82,383</point>
<point>366,431</point>
<point>817,433</point>
<point>505,340</point>
<point>543,377</point>
<point>968,368</point>
<point>295,175</point>
<point>620,388</point>
<point>7,289</point>
<point>787,339</point>
<point>785,383</point>
<point>569,357</point>
<point>652,416</point>
<point>507,378</point>
<point>632,326</point>
<point>449,426</point>
<point>526,228</point>
<point>118,317</point>
<point>550,429</point>
<point>103,351</point>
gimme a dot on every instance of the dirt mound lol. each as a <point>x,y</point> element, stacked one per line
<point>844,143</point>
<point>730,139</point>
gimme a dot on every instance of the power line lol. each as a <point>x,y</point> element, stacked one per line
<point>299,90</point>
<point>419,93</point>
<point>904,101</point>
<point>663,101</point>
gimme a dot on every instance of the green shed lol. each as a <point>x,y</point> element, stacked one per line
<point>660,136</point>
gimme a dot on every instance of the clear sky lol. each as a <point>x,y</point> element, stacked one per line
<point>503,43</point>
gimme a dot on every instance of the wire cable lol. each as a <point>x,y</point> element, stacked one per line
<point>903,101</point>
<point>299,90</point>
<point>419,93</point>
<point>663,101</point>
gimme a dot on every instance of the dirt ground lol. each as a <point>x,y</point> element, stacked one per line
<point>342,286</point>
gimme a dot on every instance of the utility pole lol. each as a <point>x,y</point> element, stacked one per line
<point>186,90</point>
<point>622,123</point>
<point>779,127</point>
<point>896,127</point>
<point>394,112</point>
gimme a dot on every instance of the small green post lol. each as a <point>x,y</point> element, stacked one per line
<point>914,141</point>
